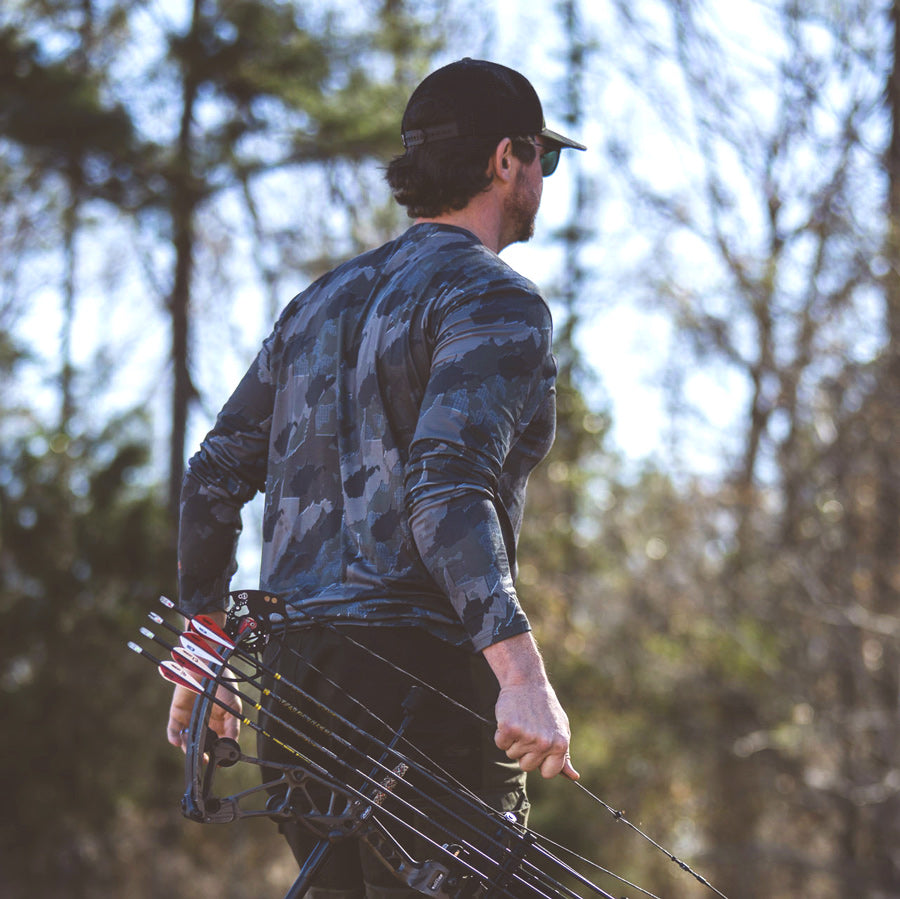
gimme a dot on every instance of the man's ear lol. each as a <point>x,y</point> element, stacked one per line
<point>501,160</point>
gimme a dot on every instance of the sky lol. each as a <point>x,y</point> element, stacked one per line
<point>623,342</point>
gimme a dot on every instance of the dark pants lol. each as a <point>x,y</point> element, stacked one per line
<point>461,745</point>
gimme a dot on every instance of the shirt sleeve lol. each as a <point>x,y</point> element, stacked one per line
<point>492,370</point>
<point>226,473</point>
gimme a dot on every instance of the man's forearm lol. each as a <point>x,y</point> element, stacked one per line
<point>516,661</point>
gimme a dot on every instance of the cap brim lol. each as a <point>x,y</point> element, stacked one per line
<point>562,141</point>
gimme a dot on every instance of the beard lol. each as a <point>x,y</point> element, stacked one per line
<point>521,209</point>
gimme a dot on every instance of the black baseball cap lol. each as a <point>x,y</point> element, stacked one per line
<point>475,98</point>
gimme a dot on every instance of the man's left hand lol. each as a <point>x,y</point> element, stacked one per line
<point>224,723</point>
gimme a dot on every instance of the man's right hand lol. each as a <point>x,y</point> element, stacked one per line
<point>532,727</point>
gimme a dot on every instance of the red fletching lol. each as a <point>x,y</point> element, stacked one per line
<point>198,646</point>
<point>192,663</point>
<point>206,627</point>
<point>176,674</point>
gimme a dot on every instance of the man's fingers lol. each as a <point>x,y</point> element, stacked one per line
<point>179,716</point>
<point>550,764</point>
<point>551,756</point>
<point>224,723</point>
<point>175,736</point>
<point>176,733</point>
<point>227,723</point>
<point>506,737</point>
<point>556,764</point>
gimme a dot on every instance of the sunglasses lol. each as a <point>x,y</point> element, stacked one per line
<point>549,159</point>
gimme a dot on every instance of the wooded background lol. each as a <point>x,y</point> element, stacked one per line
<point>724,636</point>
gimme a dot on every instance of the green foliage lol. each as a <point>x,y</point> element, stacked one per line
<point>56,113</point>
<point>83,547</point>
<point>46,106</point>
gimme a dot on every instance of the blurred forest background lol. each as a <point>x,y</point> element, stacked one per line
<point>720,615</point>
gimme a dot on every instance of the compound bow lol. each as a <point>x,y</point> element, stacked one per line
<point>344,781</point>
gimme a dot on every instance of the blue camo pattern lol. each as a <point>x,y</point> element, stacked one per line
<point>392,419</point>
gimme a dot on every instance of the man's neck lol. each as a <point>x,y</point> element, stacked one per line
<point>481,216</point>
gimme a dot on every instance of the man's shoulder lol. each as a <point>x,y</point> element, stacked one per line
<point>433,262</point>
<point>461,259</point>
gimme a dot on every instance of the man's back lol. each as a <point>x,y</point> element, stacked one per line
<point>381,384</point>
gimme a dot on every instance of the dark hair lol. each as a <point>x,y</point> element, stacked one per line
<point>444,175</point>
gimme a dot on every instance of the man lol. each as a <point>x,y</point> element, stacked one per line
<point>392,419</point>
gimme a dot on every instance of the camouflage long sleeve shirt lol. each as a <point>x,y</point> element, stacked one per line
<point>392,419</point>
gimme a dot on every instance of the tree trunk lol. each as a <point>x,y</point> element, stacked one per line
<point>886,434</point>
<point>184,206</point>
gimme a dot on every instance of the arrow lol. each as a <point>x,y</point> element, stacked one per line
<point>196,645</point>
<point>203,625</point>
<point>178,674</point>
<point>192,663</point>
<point>206,627</point>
